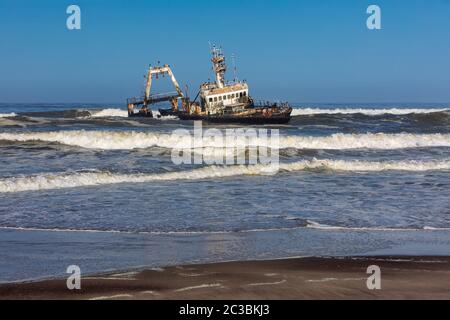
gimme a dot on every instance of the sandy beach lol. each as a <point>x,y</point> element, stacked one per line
<point>296,278</point>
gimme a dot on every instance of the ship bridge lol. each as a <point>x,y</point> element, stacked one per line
<point>219,95</point>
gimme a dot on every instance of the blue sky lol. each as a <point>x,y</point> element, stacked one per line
<point>301,51</point>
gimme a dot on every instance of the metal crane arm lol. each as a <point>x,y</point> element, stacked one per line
<point>155,71</point>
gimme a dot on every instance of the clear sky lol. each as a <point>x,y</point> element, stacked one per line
<point>300,51</point>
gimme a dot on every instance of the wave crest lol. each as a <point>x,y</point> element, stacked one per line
<point>121,113</point>
<point>82,179</point>
<point>127,140</point>
<point>7,115</point>
<point>315,225</point>
<point>105,113</point>
<point>369,112</point>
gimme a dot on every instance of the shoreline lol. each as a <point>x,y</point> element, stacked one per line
<point>402,277</point>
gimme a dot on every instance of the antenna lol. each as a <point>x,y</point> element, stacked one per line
<point>187,91</point>
<point>233,57</point>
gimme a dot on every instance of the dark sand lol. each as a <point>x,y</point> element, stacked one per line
<point>302,278</point>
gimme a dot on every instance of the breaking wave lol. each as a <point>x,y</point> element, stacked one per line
<point>309,224</point>
<point>370,112</point>
<point>121,113</point>
<point>7,115</point>
<point>127,140</point>
<point>108,113</point>
<point>81,179</point>
<point>180,232</point>
<point>316,225</point>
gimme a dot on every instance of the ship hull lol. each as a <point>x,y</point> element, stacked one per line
<point>168,112</point>
<point>140,115</point>
<point>274,119</point>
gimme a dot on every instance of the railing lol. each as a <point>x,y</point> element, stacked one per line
<point>154,98</point>
<point>266,103</point>
<point>163,95</point>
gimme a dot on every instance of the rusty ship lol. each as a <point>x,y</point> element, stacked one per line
<point>142,104</point>
<point>220,101</point>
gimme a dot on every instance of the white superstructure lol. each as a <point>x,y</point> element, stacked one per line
<point>219,97</point>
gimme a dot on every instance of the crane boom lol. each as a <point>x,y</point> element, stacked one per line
<point>156,71</point>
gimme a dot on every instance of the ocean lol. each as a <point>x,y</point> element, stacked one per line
<point>82,184</point>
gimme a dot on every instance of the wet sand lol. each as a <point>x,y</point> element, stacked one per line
<point>296,278</point>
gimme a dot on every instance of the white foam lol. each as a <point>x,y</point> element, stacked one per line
<point>435,228</point>
<point>202,286</point>
<point>311,225</point>
<point>369,140</point>
<point>316,225</point>
<point>370,112</point>
<point>165,118</point>
<point>106,113</point>
<point>7,115</point>
<point>116,140</point>
<point>106,140</point>
<point>122,113</point>
<point>56,230</point>
<point>82,179</point>
<point>257,284</point>
<point>117,296</point>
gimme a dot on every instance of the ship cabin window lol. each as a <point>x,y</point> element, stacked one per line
<point>229,96</point>
<point>215,99</point>
<point>224,97</point>
<point>232,96</point>
<point>245,93</point>
<point>210,99</point>
<point>220,98</point>
<point>240,94</point>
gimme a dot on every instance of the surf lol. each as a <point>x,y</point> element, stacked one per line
<point>8,115</point>
<point>85,179</point>
<point>120,113</point>
<point>115,112</point>
<point>369,112</point>
<point>309,224</point>
<point>315,225</point>
<point>128,140</point>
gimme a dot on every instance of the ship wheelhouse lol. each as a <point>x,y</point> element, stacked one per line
<point>219,97</point>
<point>213,100</point>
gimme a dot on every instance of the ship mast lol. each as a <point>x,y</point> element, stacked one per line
<point>219,66</point>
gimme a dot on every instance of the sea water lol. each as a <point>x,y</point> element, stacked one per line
<point>85,185</point>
